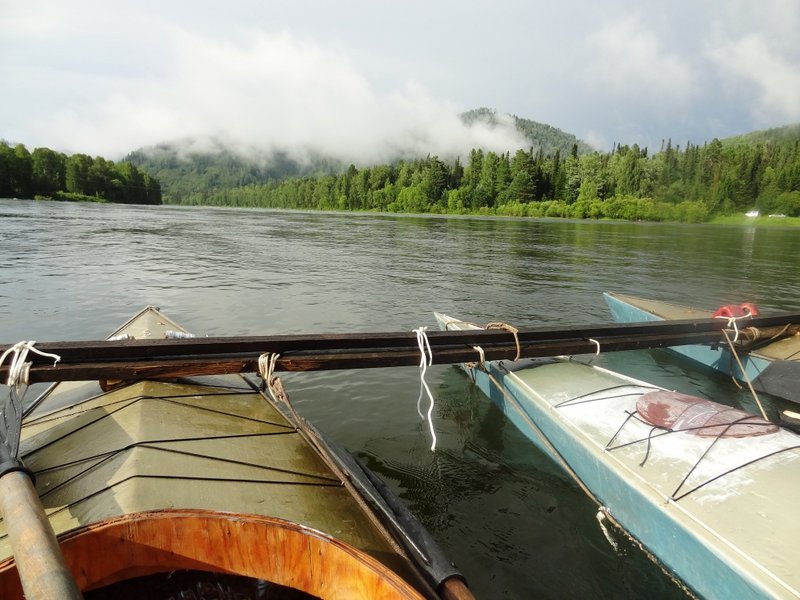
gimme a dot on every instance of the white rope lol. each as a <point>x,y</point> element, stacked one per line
<point>601,518</point>
<point>481,353</point>
<point>266,368</point>
<point>424,344</point>
<point>596,343</point>
<point>732,323</point>
<point>18,369</point>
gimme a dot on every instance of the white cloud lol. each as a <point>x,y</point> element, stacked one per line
<point>365,79</point>
<point>754,68</point>
<point>265,92</point>
<point>627,59</point>
<point>596,140</point>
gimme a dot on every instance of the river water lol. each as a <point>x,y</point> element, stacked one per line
<point>511,520</point>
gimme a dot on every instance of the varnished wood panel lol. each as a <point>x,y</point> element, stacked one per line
<point>249,545</point>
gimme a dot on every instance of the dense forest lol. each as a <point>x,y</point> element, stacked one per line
<point>45,173</point>
<point>678,184</point>
<point>559,176</point>
<point>192,169</point>
<point>196,173</point>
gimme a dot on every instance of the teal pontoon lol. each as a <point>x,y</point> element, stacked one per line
<point>710,491</point>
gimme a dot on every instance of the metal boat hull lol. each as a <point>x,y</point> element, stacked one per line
<point>734,536</point>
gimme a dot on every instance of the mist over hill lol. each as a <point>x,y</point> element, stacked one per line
<point>787,133</point>
<point>541,136</point>
<point>198,166</point>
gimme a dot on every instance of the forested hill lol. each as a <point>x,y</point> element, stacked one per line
<point>678,184</point>
<point>188,172</point>
<point>194,173</point>
<point>788,133</point>
<point>540,136</point>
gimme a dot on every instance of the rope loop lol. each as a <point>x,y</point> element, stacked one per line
<point>733,322</point>
<point>512,330</point>
<point>19,370</point>
<point>266,369</point>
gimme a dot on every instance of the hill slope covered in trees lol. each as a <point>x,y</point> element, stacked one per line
<point>787,133</point>
<point>189,174</point>
<point>681,184</point>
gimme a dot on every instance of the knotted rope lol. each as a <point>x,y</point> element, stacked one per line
<point>512,330</point>
<point>18,369</point>
<point>266,369</point>
<point>732,324</point>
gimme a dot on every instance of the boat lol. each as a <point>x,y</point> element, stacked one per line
<point>210,487</point>
<point>710,492</point>
<point>771,364</point>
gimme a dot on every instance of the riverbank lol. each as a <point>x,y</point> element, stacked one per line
<point>765,221</point>
<point>628,211</point>
<point>72,197</point>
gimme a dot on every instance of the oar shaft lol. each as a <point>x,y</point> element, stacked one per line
<point>37,555</point>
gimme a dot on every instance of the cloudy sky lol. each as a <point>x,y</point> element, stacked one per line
<point>364,79</point>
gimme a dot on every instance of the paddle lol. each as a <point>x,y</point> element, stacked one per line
<point>40,564</point>
<point>139,359</point>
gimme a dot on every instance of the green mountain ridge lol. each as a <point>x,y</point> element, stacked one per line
<point>542,137</point>
<point>787,133</point>
<point>186,168</point>
<point>692,183</point>
<point>183,173</point>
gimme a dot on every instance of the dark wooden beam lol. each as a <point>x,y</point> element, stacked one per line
<point>104,350</point>
<point>309,360</point>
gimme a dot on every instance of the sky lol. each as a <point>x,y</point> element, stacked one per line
<point>366,80</point>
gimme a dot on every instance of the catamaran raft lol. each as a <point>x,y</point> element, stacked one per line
<point>153,455</point>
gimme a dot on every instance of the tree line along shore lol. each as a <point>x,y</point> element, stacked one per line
<point>691,184</point>
<point>47,174</point>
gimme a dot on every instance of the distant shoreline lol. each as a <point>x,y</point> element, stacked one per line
<point>739,220</point>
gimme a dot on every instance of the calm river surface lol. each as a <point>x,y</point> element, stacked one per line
<point>515,525</point>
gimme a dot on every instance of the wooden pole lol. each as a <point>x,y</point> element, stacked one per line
<point>40,564</point>
<point>171,367</point>
<point>119,350</point>
<point>455,589</point>
<point>165,358</point>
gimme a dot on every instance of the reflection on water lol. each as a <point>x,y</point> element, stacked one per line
<point>511,520</point>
